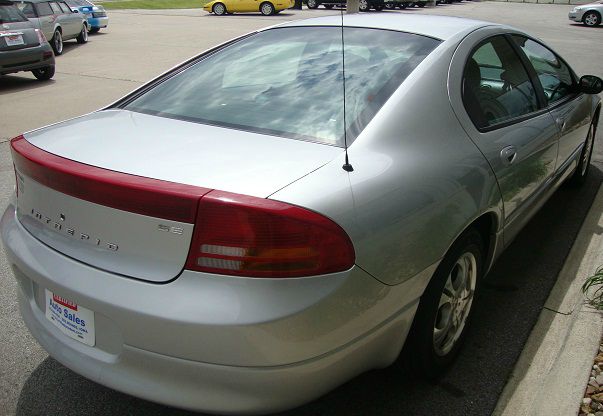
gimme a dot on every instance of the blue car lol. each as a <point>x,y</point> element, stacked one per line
<point>96,15</point>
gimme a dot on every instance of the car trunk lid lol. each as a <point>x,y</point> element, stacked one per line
<point>119,190</point>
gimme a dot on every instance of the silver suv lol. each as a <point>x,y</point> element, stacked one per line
<point>56,20</point>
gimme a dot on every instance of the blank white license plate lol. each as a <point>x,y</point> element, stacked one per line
<point>14,40</point>
<point>73,320</point>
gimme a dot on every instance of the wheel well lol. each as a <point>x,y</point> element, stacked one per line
<point>486,225</point>
<point>591,11</point>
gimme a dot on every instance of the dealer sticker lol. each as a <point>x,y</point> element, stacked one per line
<point>72,319</point>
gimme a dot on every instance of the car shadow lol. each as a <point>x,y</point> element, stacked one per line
<point>70,46</point>
<point>18,82</point>
<point>586,27</point>
<point>511,299</point>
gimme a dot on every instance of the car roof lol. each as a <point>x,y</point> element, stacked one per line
<point>33,1</point>
<point>435,26</point>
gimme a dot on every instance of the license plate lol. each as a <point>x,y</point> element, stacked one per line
<point>72,319</point>
<point>14,40</point>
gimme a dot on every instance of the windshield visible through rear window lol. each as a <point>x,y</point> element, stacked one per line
<point>10,14</point>
<point>289,82</point>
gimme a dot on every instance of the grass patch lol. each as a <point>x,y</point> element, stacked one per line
<point>154,4</point>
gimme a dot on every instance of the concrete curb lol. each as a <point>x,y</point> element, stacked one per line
<point>553,369</point>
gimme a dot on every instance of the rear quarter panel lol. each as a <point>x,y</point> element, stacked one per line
<point>418,180</point>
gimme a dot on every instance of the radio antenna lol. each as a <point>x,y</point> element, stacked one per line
<point>346,166</point>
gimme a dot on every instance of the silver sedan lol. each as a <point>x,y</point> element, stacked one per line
<point>589,14</point>
<point>283,212</point>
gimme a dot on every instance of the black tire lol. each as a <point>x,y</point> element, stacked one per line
<point>267,8</point>
<point>83,36</point>
<point>219,9</point>
<point>313,4</point>
<point>44,74</point>
<point>363,5</point>
<point>94,29</point>
<point>581,172</point>
<point>57,42</point>
<point>403,6</point>
<point>390,6</point>
<point>591,18</point>
<point>328,6</point>
<point>422,356</point>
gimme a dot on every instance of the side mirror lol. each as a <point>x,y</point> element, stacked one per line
<point>590,84</point>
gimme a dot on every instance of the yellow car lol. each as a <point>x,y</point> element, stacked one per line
<point>266,7</point>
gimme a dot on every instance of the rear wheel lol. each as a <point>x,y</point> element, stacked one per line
<point>363,6</point>
<point>579,176</point>
<point>219,9</point>
<point>445,308</point>
<point>403,6</point>
<point>266,8</point>
<point>390,6</point>
<point>312,4</point>
<point>57,42</point>
<point>44,74</point>
<point>83,36</point>
<point>591,18</point>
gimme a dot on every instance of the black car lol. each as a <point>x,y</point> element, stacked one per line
<point>23,47</point>
<point>363,5</point>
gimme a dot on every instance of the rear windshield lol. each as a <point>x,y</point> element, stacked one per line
<point>289,82</point>
<point>10,14</point>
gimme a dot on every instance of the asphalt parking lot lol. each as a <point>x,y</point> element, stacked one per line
<point>141,44</point>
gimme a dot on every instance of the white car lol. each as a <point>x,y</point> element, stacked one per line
<point>589,14</point>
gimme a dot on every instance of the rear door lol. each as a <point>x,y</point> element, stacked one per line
<point>502,111</point>
<point>46,19</point>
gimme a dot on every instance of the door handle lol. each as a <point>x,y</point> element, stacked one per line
<point>508,155</point>
<point>560,122</point>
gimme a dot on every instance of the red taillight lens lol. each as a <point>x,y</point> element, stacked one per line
<point>245,236</point>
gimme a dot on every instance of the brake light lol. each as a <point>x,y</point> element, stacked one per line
<point>246,236</point>
<point>41,37</point>
<point>137,194</point>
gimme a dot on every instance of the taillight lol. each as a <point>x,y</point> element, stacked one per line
<point>41,37</point>
<point>246,236</point>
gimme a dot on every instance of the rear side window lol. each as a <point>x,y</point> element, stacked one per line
<point>55,8</point>
<point>10,14</point>
<point>289,82</point>
<point>44,9</point>
<point>65,8</point>
<point>496,86</point>
<point>554,75</point>
<point>27,9</point>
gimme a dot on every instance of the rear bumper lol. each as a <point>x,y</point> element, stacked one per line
<point>26,59</point>
<point>98,22</point>
<point>214,343</point>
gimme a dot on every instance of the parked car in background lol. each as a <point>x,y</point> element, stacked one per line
<point>96,15</point>
<point>363,5</point>
<point>589,14</point>
<point>266,7</point>
<point>253,228</point>
<point>56,20</point>
<point>22,46</point>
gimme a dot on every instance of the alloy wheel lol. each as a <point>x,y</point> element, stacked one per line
<point>455,304</point>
